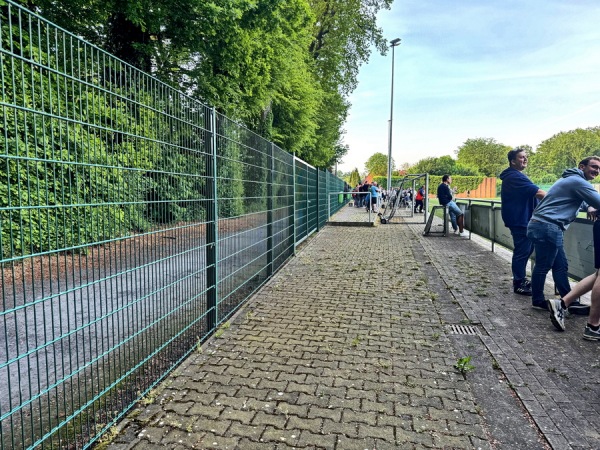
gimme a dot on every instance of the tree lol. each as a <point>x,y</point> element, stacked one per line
<point>484,154</point>
<point>440,166</point>
<point>344,32</point>
<point>354,178</point>
<point>283,69</point>
<point>562,151</point>
<point>377,164</point>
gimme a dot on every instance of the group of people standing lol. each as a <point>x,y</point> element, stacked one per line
<point>537,221</point>
<point>370,195</point>
<point>367,195</point>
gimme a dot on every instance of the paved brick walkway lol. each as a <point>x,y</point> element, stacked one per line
<point>351,346</point>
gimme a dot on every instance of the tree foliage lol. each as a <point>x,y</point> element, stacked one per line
<point>562,151</point>
<point>377,164</point>
<point>440,166</point>
<point>284,69</point>
<point>483,154</point>
<point>354,178</point>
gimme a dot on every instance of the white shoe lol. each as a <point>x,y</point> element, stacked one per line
<point>465,233</point>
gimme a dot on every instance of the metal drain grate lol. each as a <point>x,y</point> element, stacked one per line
<point>463,329</point>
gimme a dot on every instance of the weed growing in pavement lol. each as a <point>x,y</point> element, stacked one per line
<point>384,364</point>
<point>150,397</point>
<point>107,438</point>
<point>222,329</point>
<point>356,341</point>
<point>464,364</point>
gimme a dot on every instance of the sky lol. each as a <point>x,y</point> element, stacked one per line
<point>517,71</point>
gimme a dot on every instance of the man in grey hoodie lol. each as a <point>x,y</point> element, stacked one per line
<point>557,210</point>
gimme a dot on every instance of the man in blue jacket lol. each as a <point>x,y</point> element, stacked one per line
<point>519,198</point>
<point>557,210</point>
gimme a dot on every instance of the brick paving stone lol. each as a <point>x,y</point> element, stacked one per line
<point>153,435</point>
<point>239,415</point>
<point>386,433</point>
<point>289,437</point>
<point>343,350</point>
<point>210,441</point>
<point>314,440</point>
<point>304,423</point>
<point>369,418</point>
<point>262,418</point>
<point>218,427</point>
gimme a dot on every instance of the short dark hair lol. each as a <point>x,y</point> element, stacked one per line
<point>585,161</point>
<point>445,178</point>
<point>512,155</point>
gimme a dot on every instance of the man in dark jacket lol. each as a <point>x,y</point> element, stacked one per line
<point>519,198</point>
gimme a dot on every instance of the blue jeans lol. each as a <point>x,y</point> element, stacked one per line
<point>547,240</point>
<point>454,211</point>
<point>521,253</point>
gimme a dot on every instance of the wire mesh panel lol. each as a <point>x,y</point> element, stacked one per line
<point>283,206</point>
<point>243,176</point>
<point>301,208</point>
<point>134,221</point>
<point>102,219</point>
<point>312,198</point>
<point>323,201</point>
<point>336,185</point>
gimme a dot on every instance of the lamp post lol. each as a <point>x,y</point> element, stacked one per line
<point>393,44</point>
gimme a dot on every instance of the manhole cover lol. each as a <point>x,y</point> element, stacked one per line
<point>463,329</point>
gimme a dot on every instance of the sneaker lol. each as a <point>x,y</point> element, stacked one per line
<point>523,289</point>
<point>526,282</point>
<point>543,305</point>
<point>590,334</point>
<point>557,314</point>
<point>465,233</point>
<point>455,231</point>
<point>579,308</point>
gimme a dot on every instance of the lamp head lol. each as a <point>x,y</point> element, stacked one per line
<point>395,42</point>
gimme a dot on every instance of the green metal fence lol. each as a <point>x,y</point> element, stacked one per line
<point>134,221</point>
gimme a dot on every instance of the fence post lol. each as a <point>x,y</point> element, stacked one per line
<point>270,210</point>
<point>426,199</point>
<point>212,238</point>
<point>294,199</point>
<point>318,202</point>
<point>307,203</point>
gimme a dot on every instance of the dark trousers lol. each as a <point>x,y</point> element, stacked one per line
<point>521,253</point>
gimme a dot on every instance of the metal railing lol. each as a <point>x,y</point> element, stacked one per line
<point>483,217</point>
<point>134,221</point>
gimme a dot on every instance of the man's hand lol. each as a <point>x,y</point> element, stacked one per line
<point>591,213</point>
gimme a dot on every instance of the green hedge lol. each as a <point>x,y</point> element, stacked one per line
<point>460,182</point>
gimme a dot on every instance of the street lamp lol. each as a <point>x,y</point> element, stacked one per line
<point>393,44</point>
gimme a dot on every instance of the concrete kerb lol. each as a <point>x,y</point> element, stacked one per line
<point>367,361</point>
